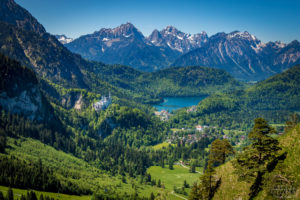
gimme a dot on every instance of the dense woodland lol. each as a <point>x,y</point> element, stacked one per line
<point>273,99</point>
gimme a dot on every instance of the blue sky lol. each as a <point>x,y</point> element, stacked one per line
<point>269,20</point>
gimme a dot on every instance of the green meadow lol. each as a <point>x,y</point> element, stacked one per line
<point>173,178</point>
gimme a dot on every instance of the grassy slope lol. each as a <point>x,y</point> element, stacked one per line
<point>290,143</point>
<point>170,178</point>
<point>19,192</point>
<point>161,145</point>
<point>67,166</point>
<point>232,189</point>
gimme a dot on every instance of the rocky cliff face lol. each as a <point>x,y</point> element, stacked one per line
<point>20,93</point>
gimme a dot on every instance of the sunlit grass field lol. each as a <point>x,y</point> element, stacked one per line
<point>173,178</point>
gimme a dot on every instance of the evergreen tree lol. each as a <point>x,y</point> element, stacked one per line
<point>255,159</point>
<point>171,164</point>
<point>2,140</point>
<point>185,184</point>
<point>209,184</point>
<point>152,197</point>
<point>1,196</point>
<point>195,193</point>
<point>162,162</point>
<point>193,168</point>
<point>289,125</point>
<point>220,150</point>
<point>159,183</point>
<point>10,194</point>
<point>31,195</point>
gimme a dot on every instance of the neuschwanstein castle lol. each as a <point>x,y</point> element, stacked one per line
<point>103,103</point>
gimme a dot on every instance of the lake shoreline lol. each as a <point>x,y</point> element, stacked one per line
<point>173,103</point>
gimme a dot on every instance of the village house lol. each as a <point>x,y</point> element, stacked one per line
<point>201,128</point>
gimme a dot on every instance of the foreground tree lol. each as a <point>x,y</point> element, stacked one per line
<point>208,185</point>
<point>289,125</point>
<point>209,181</point>
<point>258,157</point>
<point>220,150</point>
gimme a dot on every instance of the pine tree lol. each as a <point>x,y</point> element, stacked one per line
<point>1,196</point>
<point>152,197</point>
<point>10,194</point>
<point>159,183</point>
<point>185,184</point>
<point>162,162</point>
<point>193,168</point>
<point>220,150</point>
<point>255,159</point>
<point>195,193</point>
<point>209,184</point>
<point>289,125</point>
<point>171,164</point>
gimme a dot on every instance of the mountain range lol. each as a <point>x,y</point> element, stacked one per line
<point>240,53</point>
<point>243,55</point>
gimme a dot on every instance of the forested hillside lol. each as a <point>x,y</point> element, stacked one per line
<point>272,99</point>
<point>177,81</point>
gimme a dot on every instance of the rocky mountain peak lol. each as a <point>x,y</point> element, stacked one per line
<point>127,30</point>
<point>241,35</point>
<point>177,40</point>
<point>123,31</point>
<point>64,39</point>
<point>171,29</point>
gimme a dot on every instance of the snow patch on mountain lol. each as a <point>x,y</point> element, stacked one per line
<point>64,39</point>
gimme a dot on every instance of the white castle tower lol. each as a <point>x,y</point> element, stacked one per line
<point>103,103</point>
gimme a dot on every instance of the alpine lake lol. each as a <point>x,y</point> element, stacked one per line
<point>173,103</point>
